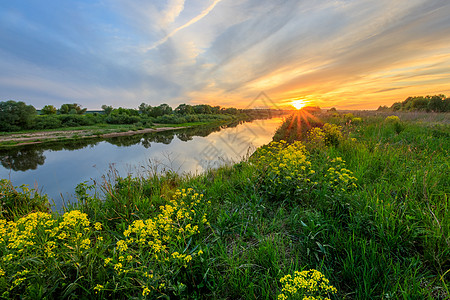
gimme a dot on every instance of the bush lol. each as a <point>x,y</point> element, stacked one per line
<point>397,125</point>
<point>122,119</point>
<point>356,120</point>
<point>170,119</point>
<point>47,122</point>
<point>328,135</point>
<point>74,120</point>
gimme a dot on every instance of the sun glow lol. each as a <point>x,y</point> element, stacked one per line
<point>298,104</point>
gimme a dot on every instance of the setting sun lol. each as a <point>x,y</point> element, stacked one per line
<point>298,104</point>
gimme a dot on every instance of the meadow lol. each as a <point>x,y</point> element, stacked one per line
<point>356,207</point>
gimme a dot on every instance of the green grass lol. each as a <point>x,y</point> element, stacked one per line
<point>386,238</point>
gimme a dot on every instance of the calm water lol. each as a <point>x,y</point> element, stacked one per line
<point>57,168</point>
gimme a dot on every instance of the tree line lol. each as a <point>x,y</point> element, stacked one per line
<point>436,103</point>
<point>16,115</point>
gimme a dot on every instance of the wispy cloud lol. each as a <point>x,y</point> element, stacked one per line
<point>194,20</point>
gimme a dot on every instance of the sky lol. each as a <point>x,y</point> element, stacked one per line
<point>346,54</point>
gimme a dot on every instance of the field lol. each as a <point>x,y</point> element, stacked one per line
<point>355,208</point>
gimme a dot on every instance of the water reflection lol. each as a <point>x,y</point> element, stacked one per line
<point>57,168</point>
<point>23,159</point>
<point>29,157</point>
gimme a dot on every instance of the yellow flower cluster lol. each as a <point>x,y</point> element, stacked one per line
<point>328,135</point>
<point>22,235</point>
<point>392,119</point>
<point>339,177</point>
<point>309,284</point>
<point>40,236</point>
<point>171,224</point>
<point>165,240</point>
<point>316,136</point>
<point>284,161</point>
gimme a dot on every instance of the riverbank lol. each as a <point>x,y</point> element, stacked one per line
<point>365,204</point>
<point>76,133</point>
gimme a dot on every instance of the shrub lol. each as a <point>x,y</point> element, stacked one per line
<point>328,135</point>
<point>122,119</point>
<point>286,168</point>
<point>348,117</point>
<point>356,120</point>
<point>47,122</point>
<point>391,119</point>
<point>397,125</point>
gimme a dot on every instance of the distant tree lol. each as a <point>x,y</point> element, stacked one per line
<point>333,109</point>
<point>125,111</point>
<point>419,103</point>
<point>446,105</point>
<point>396,106</point>
<point>184,109</point>
<point>16,115</point>
<point>202,109</point>
<point>71,109</point>
<point>406,104</point>
<point>145,109</point>
<point>382,108</point>
<point>229,110</point>
<point>215,110</point>
<point>156,112</point>
<point>107,109</point>
<point>48,110</point>
<point>166,109</point>
<point>436,103</point>
<point>64,109</point>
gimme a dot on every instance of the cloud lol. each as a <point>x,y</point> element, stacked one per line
<point>173,10</point>
<point>346,53</point>
<point>194,20</point>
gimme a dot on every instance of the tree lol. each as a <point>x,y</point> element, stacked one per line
<point>419,103</point>
<point>436,103</point>
<point>202,109</point>
<point>72,109</point>
<point>16,115</point>
<point>215,110</point>
<point>48,110</point>
<point>446,105</point>
<point>107,109</point>
<point>184,109</point>
<point>145,109</point>
<point>396,106</point>
<point>165,109</point>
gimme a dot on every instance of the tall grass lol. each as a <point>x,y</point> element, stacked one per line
<point>368,212</point>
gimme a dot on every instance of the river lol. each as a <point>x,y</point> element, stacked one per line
<point>56,169</point>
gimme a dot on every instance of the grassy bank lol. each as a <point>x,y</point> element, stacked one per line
<point>8,140</point>
<point>363,204</point>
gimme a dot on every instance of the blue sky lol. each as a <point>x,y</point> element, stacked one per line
<point>342,53</point>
